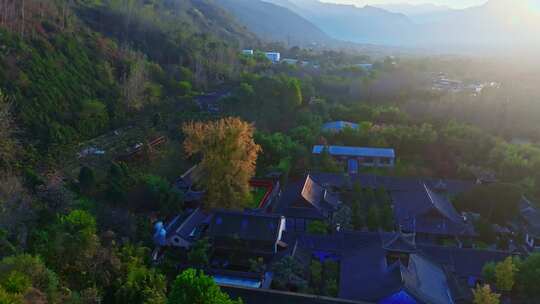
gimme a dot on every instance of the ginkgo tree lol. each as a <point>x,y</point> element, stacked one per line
<point>229,156</point>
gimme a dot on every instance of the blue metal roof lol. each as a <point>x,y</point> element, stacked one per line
<point>339,125</point>
<point>243,282</point>
<point>352,166</point>
<point>356,151</point>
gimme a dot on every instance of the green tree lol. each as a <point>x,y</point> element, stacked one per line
<point>275,147</point>
<point>245,92</point>
<point>8,145</point>
<point>142,286</point>
<point>505,273</point>
<point>382,196</point>
<point>372,220</point>
<point>92,118</point>
<point>199,253</point>
<point>292,94</point>
<point>343,217</point>
<point>87,179</point>
<point>9,298</point>
<point>327,163</point>
<point>496,203</point>
<point>229,155</point>
<point>257,265</point>
<point>70,247</point>
<point>193,286</point>
<point>184,88</point>
<point>317,227</point>
<point>529,276</point>
<point>289,274</point>
<point>386,217</point>
<point>488,271</point>
<point>315,270</point>
<point>16,282</point>
<point>369,198</point>
<point>331,276</point>
<point>331,288</point>
<point>357,191</point>
<point>159,192</point>
<point>119,181</point>
<point>157,119</point>
<point>484,295</point>
<point>485,231</point>
<point>356,218</point>
<point>20,272</point>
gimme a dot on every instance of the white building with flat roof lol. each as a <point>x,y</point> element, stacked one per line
<point>275,57</point>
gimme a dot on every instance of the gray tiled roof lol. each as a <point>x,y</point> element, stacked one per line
<point>365,275</point>
<point>414,209</point>
<point>399,242</point>
<point>306,198</point>
<point>318,196</point>
<point>245,226</point>
<point>426,280</point>
<point>412,197</point>
<point>184,225</point>
<point>463,262</point>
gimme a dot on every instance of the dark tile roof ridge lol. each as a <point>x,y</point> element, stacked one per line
<point>434,200</point>
<point>172,223</point>
<point>188,219</point>
<point>429,195</point>
<point>402,240</point>
<point>406,270</point>
<point>307,191</point>
<point>246,213</point>
<point>453,249</point>
<point>419,179</point>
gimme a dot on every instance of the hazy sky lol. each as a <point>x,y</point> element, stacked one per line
<point>451,3</point>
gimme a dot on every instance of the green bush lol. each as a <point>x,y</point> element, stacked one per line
<point>318,227</point>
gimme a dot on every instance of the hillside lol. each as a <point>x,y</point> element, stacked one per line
<point>76,71</point>
<point>260,17</point>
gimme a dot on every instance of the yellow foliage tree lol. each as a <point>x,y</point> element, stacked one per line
<point>484,295</point>
<point>229,156</point>
<point>505,273</point>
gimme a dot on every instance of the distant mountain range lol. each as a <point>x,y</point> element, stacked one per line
<point>497,25</point>
<point>414,10</point>
<point>276,23</point>
<point>367,24</point>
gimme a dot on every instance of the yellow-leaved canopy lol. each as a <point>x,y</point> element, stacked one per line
<point>229,157</point>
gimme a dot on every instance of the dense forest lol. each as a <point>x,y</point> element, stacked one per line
<point>71,71</point>
<point>78,74</point>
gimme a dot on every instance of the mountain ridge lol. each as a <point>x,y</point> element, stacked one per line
<point>260,17</point>
<point>490,25</point>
